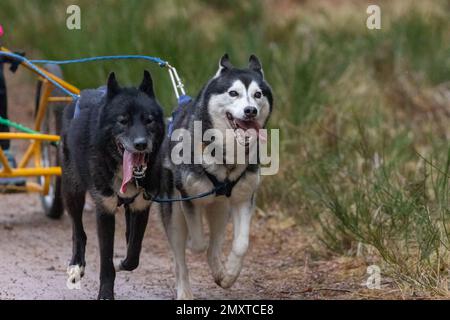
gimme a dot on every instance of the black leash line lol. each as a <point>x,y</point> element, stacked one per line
<point>220,189</point>
<point>167,200</point>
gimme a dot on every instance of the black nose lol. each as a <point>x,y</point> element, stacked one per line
<point>250,112</point>
<point>140,144</point>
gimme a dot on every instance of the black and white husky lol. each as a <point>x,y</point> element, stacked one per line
<point>110,140</point>
<point>234,101</point>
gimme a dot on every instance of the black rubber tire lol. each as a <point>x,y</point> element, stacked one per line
<point>52,203</point>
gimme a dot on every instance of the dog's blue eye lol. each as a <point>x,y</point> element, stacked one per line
<point>257,95</point>
<point>233,93</point>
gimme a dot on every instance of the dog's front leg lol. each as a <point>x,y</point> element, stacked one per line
<point>136,225</point>
<point>105,230</point>
<point>176,229</point>
<point>217,216</point>
<point>242,215</point>
<point>194,220</point>
<point>74,201</point>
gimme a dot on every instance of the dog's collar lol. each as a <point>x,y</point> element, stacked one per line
<point>223,188</point>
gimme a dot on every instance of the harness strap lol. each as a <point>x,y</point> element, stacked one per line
<point>126,201</point>
<point>76,112</point>
<point>223,188</point>
<point>220,188</point>
<point>140,186</point>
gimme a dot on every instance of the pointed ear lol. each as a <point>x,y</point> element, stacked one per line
<point>255,65</point>
<point>147,84</point>
<point>224,64</point>
<point>112,86</point>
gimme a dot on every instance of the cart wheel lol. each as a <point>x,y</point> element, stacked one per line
<point>52,202</point>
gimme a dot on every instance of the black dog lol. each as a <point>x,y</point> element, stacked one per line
<point>110,140</point>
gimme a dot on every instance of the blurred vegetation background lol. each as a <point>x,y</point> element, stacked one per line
<point>363,114</point>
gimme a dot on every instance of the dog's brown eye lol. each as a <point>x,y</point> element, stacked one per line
<point>149,120</point>
<point>257,95</point>
<point>233,93</point>
<point>122,120</point>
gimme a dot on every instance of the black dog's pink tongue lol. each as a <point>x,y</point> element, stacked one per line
<point>129,161</point>
<point>127,170</point>
<point>246,125</point>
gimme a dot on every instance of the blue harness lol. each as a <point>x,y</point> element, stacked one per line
<point>183,101</point>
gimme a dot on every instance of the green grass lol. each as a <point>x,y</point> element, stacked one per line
<point>364,148</point>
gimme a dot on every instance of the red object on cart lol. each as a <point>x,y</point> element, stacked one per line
<point>1,30</point>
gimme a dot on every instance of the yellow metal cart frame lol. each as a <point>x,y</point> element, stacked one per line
<point>36,139</point>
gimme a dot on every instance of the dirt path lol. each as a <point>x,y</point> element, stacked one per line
<point>34,253</point>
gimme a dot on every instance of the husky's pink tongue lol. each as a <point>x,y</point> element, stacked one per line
<point>129,161</point>
<point>253,125</point>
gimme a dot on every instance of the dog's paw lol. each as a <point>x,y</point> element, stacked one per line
<point>106,291</point>
<point>226,281</point>
<point>185,294</point>
<point>125,265</point>
<point>75,273</point>
<point>218,274</point>
<point>105,296</point>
